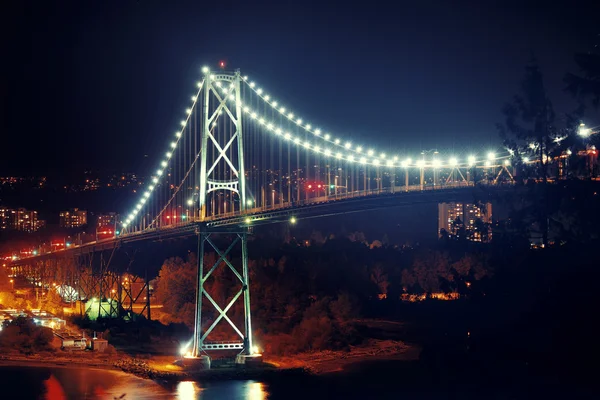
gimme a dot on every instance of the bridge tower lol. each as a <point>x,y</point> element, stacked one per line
<point>221,172</point>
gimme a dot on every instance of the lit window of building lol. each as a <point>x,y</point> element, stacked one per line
<point>20,219</point>
<point>452,219</point>
<point>73,218</point>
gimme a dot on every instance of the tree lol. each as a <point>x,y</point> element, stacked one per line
<point>483,229</point>
<point>380,278</point>
<point>176,288</point>
<point>529,129</point>
<point>588,84</point>
<point>52,301</point>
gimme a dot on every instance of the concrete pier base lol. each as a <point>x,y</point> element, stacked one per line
<point>248,360</point>
<point>196,363</point>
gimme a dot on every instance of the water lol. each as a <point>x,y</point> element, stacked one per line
<point>367,380</point>
<point>54,383</point>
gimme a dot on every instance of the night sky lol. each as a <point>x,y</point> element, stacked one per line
<point>101,84</point>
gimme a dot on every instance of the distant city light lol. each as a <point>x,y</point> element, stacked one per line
<point>293,220</point>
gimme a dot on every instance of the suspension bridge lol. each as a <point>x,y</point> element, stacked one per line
<point>241,159</point>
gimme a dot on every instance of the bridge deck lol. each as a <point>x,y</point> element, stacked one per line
<point>322,206</point>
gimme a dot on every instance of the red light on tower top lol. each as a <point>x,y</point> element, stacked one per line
<point>222,64</point>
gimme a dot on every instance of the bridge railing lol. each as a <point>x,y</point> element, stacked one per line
<point>335,197</point>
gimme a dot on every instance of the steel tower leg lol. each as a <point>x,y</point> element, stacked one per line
<point>204,145</point>
<point>240,141</point>
<point>197,349</point>
<point>248,346</point>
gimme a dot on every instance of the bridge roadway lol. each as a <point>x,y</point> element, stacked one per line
<point>317,207</point>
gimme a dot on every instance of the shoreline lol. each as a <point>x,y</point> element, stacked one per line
<point>330,361</point>
<point>313,363</point>
<point>58,363</point>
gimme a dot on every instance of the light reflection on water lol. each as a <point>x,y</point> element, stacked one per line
<point>250,390</point>
<point>82,383</point>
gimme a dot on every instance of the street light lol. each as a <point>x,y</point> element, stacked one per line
<point>583,131</point>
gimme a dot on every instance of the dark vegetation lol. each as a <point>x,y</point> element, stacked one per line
<point>24,336</point>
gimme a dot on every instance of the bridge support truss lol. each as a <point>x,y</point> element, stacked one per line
<point>237,243</point>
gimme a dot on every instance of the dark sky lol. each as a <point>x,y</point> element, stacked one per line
<point>101,83</point>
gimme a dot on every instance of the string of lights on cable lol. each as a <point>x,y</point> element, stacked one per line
<point>346,151</point>
<point>164,162</point>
